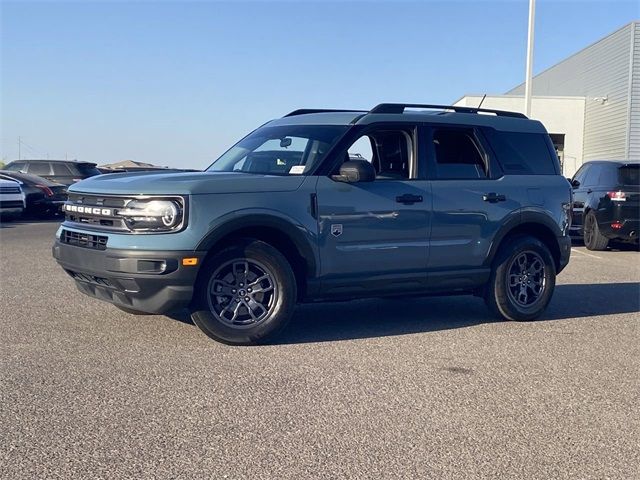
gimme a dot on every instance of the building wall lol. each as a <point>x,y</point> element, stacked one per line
<point>634,111</point>
<point>601,73</point>
<point>563,115</point>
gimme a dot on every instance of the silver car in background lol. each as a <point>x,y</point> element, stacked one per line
<point>12,200</point>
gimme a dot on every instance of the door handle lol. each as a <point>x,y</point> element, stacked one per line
<point>493,197</point>
<point>409,199</point>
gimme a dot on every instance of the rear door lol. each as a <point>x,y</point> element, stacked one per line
<point>472,200</point>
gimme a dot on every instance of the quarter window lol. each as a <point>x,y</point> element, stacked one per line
<point>457,155</point>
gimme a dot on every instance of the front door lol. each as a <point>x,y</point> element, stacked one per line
<point>373,236</point>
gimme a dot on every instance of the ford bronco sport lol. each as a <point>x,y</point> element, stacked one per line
<point>401,200</point>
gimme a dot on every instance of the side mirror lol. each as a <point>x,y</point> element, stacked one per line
<point>574,183</point>
<point>354,171</point>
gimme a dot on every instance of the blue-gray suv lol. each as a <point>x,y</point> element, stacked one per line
<point>401,200</point>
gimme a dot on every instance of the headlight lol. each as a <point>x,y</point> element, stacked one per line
<point>153,215</point>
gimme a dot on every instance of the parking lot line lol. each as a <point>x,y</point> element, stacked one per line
<point>585,253</point>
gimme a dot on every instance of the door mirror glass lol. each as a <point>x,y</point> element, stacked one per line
<point>574,183</point>
<point>354,171</point>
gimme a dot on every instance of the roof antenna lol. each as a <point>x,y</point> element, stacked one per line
<point>485,96</point>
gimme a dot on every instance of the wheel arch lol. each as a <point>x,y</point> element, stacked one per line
<point>536,225</point>
<point>292,240</point>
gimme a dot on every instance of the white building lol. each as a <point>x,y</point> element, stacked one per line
<point>589,102</point>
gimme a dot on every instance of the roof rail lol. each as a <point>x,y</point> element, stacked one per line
<point>400,107</point>
<point>304,111</point>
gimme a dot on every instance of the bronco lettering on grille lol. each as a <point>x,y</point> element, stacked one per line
<point>106,212</point>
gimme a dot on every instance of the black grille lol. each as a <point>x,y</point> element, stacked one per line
<point>97,242</point>
<point>9,190</point>
<point>83,277</point>
<point>97,200</point>
<point>109,222</point>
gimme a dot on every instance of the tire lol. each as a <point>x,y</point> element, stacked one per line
<point>131,311</point>
<point>533,285</point>
<point>593,239</point>
<point>247,310</point>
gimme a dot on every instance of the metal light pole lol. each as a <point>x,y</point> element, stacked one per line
<point>529,74</point>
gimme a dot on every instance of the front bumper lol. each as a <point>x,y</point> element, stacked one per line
<point>149,281</point>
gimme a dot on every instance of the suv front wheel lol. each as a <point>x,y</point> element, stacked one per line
<point>245,294</point>
<point>522,280</point>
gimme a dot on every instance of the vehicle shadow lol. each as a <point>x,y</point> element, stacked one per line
<point>390,317</point>
<point>29,220</point>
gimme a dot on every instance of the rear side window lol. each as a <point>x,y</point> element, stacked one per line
<point>592,176</point>
<point>522,153</point>
<point>61,170</point>
<point>608,175</point>
<point>629,175</point>
<point>39,168</point>
<point>457,155</point>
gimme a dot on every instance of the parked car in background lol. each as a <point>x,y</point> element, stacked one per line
<point>606,203</point>
<point>65,172</point>
<point>42,197</point>
<point>11,199</point>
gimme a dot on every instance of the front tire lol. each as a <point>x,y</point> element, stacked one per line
<point>245,294</point>
<point>522,280</point>
<point>593,239</point>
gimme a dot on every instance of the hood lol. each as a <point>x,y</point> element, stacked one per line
<point>188,183</point>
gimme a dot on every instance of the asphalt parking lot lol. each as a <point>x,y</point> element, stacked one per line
<point>429,388</point>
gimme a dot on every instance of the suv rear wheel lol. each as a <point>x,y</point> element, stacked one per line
<point>593,239</point>
<point>245,294</point>
<point>522,280</point>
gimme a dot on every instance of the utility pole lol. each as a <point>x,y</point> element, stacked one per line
<point>529,73</point>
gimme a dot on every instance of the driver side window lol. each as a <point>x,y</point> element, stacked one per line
<point>389,151</point>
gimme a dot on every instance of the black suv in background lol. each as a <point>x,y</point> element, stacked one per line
<point>42,197</point>
<point>65,172</point>
<point>606,202</point>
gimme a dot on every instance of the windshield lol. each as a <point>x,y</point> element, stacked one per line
<point>285,150</point>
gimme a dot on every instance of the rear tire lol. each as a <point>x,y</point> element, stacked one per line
<point>593,239</point>
<point>245,294</point>
<point>522,280</point>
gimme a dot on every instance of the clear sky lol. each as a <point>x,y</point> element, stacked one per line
<point>176,83</point>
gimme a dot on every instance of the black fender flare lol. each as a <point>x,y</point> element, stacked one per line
<point>300,236</point>
<point>526,217</point>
